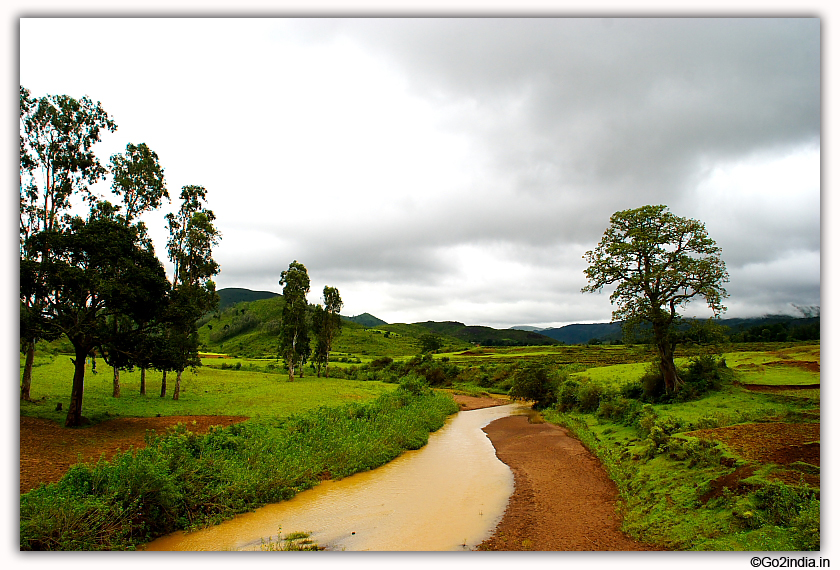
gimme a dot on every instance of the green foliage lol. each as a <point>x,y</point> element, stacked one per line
<point>415,384</point>
<point>533,381</point>
<point>662,470</point>
<point>430,342</point>
<point>181,480</point>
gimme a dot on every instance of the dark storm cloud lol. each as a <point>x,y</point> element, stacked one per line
<point>581,118</point>
<point>628,111</point>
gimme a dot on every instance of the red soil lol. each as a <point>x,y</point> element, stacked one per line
<point>47,449</point>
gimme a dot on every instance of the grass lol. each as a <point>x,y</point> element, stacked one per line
<point>207,391</point>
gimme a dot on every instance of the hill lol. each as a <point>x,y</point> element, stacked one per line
<point>487,336</point>
<point>583,333</point>
<point>767,328</point>
<point>233,295</point>
<point>251,329</point>
<point>365,319</point>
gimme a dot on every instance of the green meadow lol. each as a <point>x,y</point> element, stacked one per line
<point>253,392</point>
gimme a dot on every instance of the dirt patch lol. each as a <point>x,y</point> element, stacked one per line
<point>808,365</point>
<point>773,388</point>
<point>780,443</point>
<point>733,482</point>
<point>478,402</point>
<point>563,499</point>
<point>47,450</point>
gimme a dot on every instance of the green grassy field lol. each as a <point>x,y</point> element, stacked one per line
<point>208,391</point>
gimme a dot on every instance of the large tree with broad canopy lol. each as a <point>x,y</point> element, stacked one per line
<point>658,262</point>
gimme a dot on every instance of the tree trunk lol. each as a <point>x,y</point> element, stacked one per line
<point>177,392</point>
<point>665,348</point>
<point>27,371</point>
<point>74,411</point>
<point>667,366</point>
<point>142,380</point>
<point>327,365</point>
<point>116,382</point>
<point>291,372</point>
<point>163,385</point>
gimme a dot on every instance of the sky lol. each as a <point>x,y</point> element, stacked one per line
<point>459,168</point>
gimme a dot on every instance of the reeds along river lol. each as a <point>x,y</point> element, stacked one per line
<point>449,495</point>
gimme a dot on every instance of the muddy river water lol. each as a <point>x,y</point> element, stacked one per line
<point>449,495</point>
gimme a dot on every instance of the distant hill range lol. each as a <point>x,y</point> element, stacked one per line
<point>767,327</point>
<point>261,314</point>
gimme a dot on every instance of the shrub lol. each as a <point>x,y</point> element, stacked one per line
<point>568,395</point>
<point>615,408</point>
<point>533,382</point>
<point>414,384</point>
<point>703,374</point>
<point>589,396</point>
<point>653,384</point>
<point>781,503</point>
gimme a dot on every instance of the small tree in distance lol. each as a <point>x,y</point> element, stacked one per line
<point>658,262</point>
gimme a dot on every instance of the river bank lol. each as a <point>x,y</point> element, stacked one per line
<point>562,498</point>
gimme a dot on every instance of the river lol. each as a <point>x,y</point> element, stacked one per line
<point>448,495</point>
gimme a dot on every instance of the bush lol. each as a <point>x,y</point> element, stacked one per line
<point>414,384</point>
<point>703,374</point>
<point>533,382</point>
<point>568,395</point>
<point>589,397</point>
<point>653,384</point>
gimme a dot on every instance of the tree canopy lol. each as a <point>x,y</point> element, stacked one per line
<point>98,271</point>
<point>658,262</point>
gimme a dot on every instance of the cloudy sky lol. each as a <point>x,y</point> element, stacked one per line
<point>458,169</point>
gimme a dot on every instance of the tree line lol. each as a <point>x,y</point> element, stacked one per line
<point>96,279</point>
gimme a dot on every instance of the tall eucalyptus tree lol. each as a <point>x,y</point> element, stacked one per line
<point>192,237</point>
<point>294,328</point>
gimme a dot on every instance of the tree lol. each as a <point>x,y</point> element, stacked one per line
<point>430,342</point>
<point>326,325</point>
<point>57,133</point>
<point>139,181</point>
<point>532,381</point>
<point>658,263</point>
<point>294,330</point>
<point>98,270</point>
<point>192,236</point>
